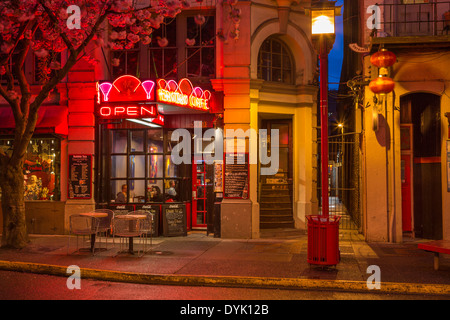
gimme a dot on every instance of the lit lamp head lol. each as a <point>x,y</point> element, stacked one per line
<point>322,21</point>
<point>323,15</point>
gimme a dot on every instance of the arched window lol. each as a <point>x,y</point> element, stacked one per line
<point>275,62</point>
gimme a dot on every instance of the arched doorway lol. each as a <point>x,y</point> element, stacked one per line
<point>421,165</point>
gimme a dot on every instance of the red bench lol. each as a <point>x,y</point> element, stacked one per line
<point>437,246</point>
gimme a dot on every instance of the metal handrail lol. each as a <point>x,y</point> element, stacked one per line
<point>396,23</point>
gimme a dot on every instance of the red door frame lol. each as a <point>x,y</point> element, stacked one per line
<point>197,196</point>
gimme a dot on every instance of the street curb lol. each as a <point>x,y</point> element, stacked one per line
<point>229,281</point>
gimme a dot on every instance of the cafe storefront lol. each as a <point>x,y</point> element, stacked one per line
<point>134,170</point>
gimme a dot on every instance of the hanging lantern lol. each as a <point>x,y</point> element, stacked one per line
<point>383,59</point>
<point>382,85</point>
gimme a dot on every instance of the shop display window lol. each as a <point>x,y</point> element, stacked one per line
<point>41,169</point>
<point>140,167</point>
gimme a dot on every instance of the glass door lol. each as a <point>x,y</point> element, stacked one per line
<point>199,198</point>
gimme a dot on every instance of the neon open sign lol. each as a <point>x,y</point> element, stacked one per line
<point>133,111</point>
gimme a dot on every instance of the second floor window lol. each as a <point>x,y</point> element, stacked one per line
<point>275,62</point>
<point>125,62</point>
<point>201,55</point>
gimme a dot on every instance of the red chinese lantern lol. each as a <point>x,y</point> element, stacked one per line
<point>382,85</point>
<point>383,59</point>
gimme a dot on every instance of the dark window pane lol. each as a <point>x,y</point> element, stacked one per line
<point>193,63</point>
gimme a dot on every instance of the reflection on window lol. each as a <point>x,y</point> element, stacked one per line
<point>41,169</point>
<point>137,141</point>
<point>155,141</point>
<point>201,55</point>
<point>155,169</point>
<point>275,62</point>
<point>163,60</point>
<point>125,62</point>
<point>119,141</point>
<point>118,166</point>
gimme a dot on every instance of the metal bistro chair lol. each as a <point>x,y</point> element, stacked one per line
<point>83,226</point>
<point>105,223</point>
<point>125,229</point>
<point>146,227</point>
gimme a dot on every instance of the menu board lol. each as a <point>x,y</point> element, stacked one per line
<point>174,220</point>
<point>80,169</point>
<point>154,209</point>
<point>236,172</point>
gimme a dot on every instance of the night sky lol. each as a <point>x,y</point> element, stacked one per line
<point>336,55</point>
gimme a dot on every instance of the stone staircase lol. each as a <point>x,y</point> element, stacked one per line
<point>275,202</point>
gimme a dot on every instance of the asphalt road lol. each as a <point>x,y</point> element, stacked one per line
<point>29,286</point>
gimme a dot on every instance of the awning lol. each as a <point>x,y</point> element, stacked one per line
<point>51,119</point>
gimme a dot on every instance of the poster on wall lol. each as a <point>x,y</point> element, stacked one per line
<point>80,177</point>
<point>236,176</point>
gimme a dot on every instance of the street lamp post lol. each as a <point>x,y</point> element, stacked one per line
<point>323,231</point>
<point>323,35</point>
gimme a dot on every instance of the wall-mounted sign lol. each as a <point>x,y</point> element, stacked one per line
<point>130,111</point>
<point>183,94</point>
<point>128,88</point>
<point>80,177</point>
<point>236,176</point>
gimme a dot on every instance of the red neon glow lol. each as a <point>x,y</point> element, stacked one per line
<point>183,94</point>
<point>127,88</point>
<point>130,111</point>
<point>105,88</point>
<point>148,86</point>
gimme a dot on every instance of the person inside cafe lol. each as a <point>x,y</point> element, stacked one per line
<point>122,196</point>
<point>155,194</point>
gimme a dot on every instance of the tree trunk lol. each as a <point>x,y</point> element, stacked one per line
<point>13,206</point>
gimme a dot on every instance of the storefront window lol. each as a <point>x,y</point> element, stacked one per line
<point>144,170</point>
<point>41,170</point>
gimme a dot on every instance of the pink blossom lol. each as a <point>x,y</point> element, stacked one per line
<point>133,38</point>
<point>146,40</point>
<point>113,35</point>
<point>41,53</point>
<point>122,35</point>
<point>6,47</point>
<point>55,65</point>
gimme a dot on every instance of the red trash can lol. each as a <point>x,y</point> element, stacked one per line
<point>323,240</point>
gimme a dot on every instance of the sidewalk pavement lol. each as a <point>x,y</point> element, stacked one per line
<point>274,262</point>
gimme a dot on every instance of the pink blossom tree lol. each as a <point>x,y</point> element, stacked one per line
<point>46,27</point>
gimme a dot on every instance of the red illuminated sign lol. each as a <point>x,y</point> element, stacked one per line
<point>132,111</point>
<point>182,94</point>
<point>127,98</point>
